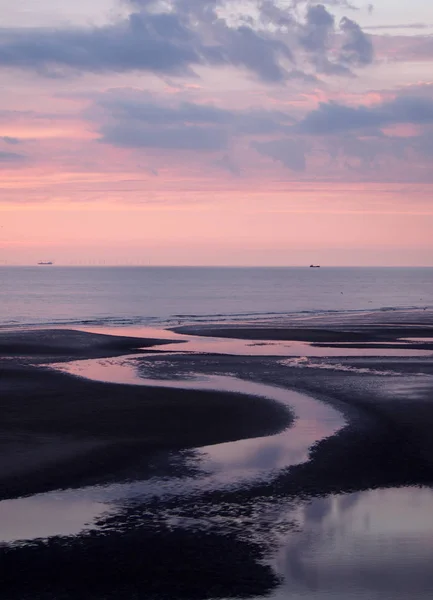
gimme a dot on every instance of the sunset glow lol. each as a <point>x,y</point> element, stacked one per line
<point>203,132</point>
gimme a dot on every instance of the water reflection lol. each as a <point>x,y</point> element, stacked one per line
<point>363,546</point>
<point>239,347</point>
<point>366,546</point>
<point>231,462</point>
<point>222,465</point>
<point>46,515</point>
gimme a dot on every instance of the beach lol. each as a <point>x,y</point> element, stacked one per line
<point>72,420</point>
<point>216,300</point>
<point>42,448</point>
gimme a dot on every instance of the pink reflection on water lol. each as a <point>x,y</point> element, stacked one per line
<point>238,347</point>
<point>362,546</point>
<point>242,459</point>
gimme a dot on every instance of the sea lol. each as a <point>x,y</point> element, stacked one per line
<point>167,296</point>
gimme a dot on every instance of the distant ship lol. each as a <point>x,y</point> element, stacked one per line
<point>45,262</point>
<point>314,266</point>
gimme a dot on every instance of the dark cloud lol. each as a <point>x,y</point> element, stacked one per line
<point>364,152</point>
<point>334,118</point>
<point>156,42</point>
<point>228,165</point>
<point>271,14</point>
<point>145,108</point>
<point>10,140</point>
<point>340,138</point>
<point>259,53</point>
<point>290,152</point>
<point>261,122</point>
<point>319,25</point>
<point>11,157</point>
<point>317,36</point>
<point>188,137</point>
<point>357,49</point>
<point>175,37</point>
<point>424,144</point>
<point>351,137</point>
<point>296,74</point>
<point>136,119</point>
<point>167,42</point>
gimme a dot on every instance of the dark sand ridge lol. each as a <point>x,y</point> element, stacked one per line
<point>358,334</point>
<point>143,563</point>
<point>67,344</point>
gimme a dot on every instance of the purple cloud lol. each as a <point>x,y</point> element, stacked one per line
<point>186,34</point>
<point>334,118</point>
<point>290,152</point>
<point>137,119</point>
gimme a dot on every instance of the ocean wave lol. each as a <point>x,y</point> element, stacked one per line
<point>322,318</point>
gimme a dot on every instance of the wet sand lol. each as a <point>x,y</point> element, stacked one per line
<point>126,431</point>
<point>62,431</point>
<point>58,430</point>
<point>359,332</point>
<point>41,345</point>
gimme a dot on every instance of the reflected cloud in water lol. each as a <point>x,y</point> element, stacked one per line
<point>46,515</point>
<point>368,545</point>
<point>222,465</point>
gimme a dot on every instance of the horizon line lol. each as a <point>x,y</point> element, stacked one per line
<point>221,266</point>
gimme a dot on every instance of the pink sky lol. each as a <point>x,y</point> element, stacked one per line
<point>208,132</point>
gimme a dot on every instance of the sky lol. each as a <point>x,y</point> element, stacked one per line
<point>216,132</point>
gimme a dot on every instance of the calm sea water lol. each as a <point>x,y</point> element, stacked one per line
<point>162,296</point>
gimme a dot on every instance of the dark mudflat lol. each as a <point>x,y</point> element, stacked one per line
<point>353,334</point>
<point>120,431</point>
<point>59,344</point>
<point>177,564</point>
<point>58,430</point>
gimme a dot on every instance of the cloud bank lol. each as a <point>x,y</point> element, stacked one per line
<point>334,134</point>
<point>176,37</point>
